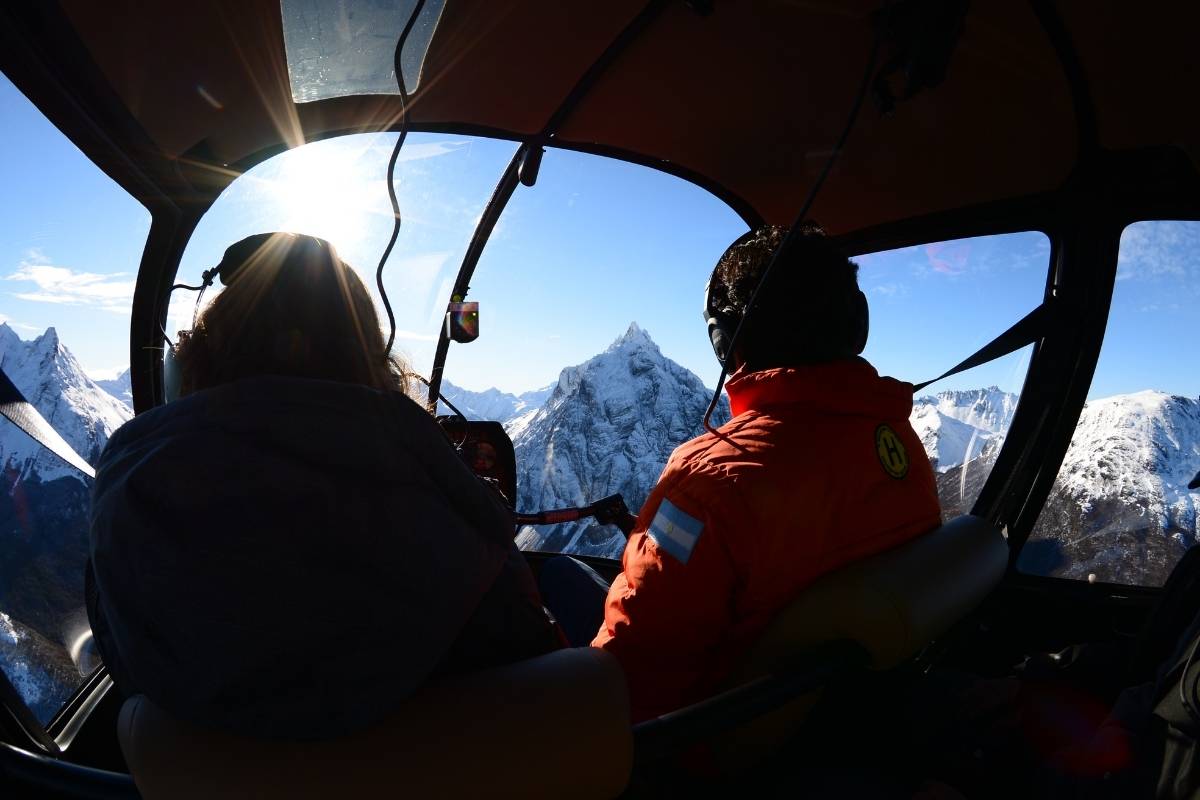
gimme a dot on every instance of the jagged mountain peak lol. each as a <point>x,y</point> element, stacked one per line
<point>8,337</point>
<point>493,404</point>
<point>990,410</point>
<point>609,427</point>
<point>52,380</point>
<point>634,336</point>
<point>48,340</point>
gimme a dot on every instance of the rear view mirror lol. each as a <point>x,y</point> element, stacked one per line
<point>462,322</point>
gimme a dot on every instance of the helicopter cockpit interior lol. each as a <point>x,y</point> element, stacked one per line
<point>1019,183</point>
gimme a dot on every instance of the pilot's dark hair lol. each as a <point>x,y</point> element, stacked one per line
<point>811,310</point>
<point>291,307</point>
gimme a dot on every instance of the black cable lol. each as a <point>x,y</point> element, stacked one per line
<point>795,230</point>
<point>206,280</point>
<point>391,171</point>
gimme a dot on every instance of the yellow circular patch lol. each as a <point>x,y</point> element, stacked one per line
<point>892,455</point>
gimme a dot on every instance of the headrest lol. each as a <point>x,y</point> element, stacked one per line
<point>894,603</point>
<point>552,726</point>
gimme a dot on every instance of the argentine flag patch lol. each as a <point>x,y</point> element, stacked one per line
<point>674,531</point>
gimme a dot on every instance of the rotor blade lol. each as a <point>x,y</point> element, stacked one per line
<point>21,413</point>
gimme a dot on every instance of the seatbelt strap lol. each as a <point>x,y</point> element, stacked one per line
<point>21,413</point>
<point>1028,330</point>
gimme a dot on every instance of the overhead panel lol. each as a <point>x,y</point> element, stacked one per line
<point>348,47</point>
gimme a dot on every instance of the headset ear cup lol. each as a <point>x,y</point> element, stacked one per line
<point>719,339</point>
<point>863,317</point>
<point>172,375</point>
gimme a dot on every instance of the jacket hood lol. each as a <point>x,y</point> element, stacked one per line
<point>287,557</point>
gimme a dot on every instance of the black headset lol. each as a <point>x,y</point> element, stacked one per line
<point>723,322</point>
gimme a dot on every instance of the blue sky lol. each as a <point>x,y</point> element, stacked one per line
<point>595,245</point>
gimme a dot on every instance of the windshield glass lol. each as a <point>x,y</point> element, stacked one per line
<point>337,189</point>
<point>349,47</point>
<point>595,356</point>
<point>70,242</point>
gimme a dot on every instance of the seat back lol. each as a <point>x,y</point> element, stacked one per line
<point>552,726</point>
<point>894,604</point>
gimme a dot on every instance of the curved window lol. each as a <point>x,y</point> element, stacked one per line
<point>595,355</point>
<point>1120,510</point>
<point>593,349</point>
<point>934,305</point>
<point>70,244</point>
<point>336,189</point>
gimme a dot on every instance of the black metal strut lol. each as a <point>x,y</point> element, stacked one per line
<point>530,150</point>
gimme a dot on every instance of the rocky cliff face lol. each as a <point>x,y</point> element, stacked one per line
<point>52,380</point>
<point>958,426</point>
<point>1120,508</point>
<point>608,426</point>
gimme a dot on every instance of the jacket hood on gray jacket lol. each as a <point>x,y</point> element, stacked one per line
<point>286,557</point>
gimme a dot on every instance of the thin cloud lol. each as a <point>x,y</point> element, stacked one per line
<point>418,151</point>
<point>65,286</point>
<point>890,290</point>
<point>1159,250</point>
<point>948,258</point>
<point>12,323</point>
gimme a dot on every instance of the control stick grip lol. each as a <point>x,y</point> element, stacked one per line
<point>613,511</point>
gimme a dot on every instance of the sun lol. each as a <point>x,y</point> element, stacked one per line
<point>329,189</point>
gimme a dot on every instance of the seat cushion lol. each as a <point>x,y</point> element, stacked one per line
<point>552,726</point>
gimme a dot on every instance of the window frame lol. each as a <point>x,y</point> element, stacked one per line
<point>1118,223</point>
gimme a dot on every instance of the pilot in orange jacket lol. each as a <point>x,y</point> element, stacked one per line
<point>818,467</point>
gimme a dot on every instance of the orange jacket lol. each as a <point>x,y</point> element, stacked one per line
<point>818,467</point>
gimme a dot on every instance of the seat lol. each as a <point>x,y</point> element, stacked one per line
<point>894,603</point>
<point>552,726</point>
<point>877,614</point>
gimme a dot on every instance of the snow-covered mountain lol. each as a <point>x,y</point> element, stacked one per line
<point>44,518</point>
<point>492,404</point>
<point>958,426</point>
<point>52,380</point>
<point>608,426</point>
<point>1120,508</point>
<point>119,387</point>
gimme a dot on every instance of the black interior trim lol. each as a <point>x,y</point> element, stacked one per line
<point>170,232</point>
<point>30,774</point>
<point>71,91</point>
<point>673,734</point>
<point>1081,96</point>
<point>466,270</point>
<point>74,715</point>
<point>22,716</point>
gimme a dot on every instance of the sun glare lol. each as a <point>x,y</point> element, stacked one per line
<point>329,190</point>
